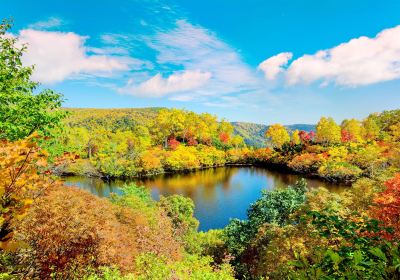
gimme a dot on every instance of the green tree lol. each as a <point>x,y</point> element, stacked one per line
<point>22,111</point>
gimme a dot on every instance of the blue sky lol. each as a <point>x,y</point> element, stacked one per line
<point>258,61</point>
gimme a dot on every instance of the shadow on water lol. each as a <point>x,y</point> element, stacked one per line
<point>219,193</point>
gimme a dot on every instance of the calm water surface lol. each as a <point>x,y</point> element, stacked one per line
<point>219,193</point>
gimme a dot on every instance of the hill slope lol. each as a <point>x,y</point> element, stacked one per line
<point>254,134</point>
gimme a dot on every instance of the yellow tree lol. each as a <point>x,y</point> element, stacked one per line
<point>237,141</point>
<point>354,128</point>
<point>295,137</point>
<point>278,135</point>
<point>168,122</point>
<point>328,131</point>
<point>20,182</point>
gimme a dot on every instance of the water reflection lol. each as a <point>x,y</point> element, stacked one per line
<point>219,193</point>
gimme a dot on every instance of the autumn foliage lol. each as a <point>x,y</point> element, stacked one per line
<point>20,182</point>
<point>387,207</point>
<point>71,230</point>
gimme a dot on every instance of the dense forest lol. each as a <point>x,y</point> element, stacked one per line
<point>50,231</point>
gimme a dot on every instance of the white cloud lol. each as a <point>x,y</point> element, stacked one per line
<point>58,56</point>
<point>51,22</point>
<point>360,61</point>
<point>274,65</point>
<point>158,86</point>
<point>194,49</point>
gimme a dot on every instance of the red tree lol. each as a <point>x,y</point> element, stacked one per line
<point>387,207</point>
<point>173,143</point>
<point>306,137</point>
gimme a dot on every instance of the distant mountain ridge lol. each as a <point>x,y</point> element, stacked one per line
<point>254,134</point>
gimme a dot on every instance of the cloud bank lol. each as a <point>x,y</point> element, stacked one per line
<point>360,61</point>
<point>58,56</point>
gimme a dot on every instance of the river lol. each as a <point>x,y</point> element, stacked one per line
<point>218,193</point>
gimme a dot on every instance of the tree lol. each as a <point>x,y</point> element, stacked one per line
<point>295,137</point>
<point>371,128</point>
<point>278,135</point>
<point>274,207</point>
<point>20,183</point>
<point>180,210</point>
<point>328,131</point>
<point>237,141</point>
<point>169,122</point>
<point>354,130</point>
<point>23,112</point>
<point>306,137</point>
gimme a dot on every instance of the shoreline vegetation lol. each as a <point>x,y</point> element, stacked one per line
<point>50,231</point>
<point>129,143</point>
<point>284,169</point>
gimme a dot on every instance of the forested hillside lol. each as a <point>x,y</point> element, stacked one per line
<point>254,134</point>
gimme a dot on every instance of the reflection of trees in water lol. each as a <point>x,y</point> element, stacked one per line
<point>189,184</point>
<point>283,179</point>
<point>202,184</point>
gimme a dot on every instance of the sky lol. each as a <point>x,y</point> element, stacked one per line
<point>244,60</point>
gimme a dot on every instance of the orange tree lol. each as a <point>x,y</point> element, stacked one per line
<point>20,182</point>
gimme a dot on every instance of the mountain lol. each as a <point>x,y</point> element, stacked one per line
<point>254,134</point>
